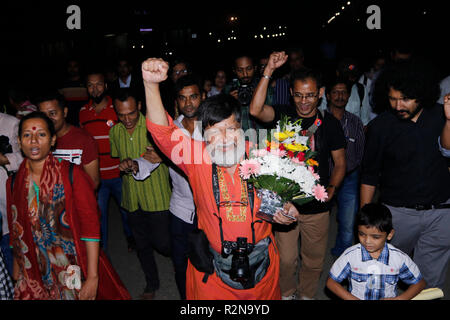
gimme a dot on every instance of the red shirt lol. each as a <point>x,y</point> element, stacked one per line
<point>76,146</point>
<point>98,125</point>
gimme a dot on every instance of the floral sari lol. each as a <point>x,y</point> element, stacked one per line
<point>51,239</point>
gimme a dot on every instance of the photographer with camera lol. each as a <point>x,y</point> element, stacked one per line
<point>232,254</point>
<point>10,160</point>
<point>242,88</point>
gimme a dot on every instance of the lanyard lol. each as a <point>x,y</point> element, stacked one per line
<point>216,191</point>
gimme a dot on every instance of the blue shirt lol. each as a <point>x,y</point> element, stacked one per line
<point>371,279</point>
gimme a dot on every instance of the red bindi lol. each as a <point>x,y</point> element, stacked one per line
<point>34,128</point>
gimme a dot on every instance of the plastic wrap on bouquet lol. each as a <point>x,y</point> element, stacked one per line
<point>270,204</point>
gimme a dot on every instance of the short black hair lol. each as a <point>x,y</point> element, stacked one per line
<point>333,81</point>
<point>218,108</point>
<point>186,81</point>
<point>49,95</point>
<point>38,115</point>
<point>304,74</point>
<point>94,71</point>
<point>375,215</point>
<point>122,94</point>
<point>18,95</point>
<point>242,55</point>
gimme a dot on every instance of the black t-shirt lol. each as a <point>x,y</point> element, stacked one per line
<point>328,137</point>
<point>403,157</point>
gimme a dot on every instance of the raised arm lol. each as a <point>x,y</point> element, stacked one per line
<point>154,71</point>
<point>258,109</point>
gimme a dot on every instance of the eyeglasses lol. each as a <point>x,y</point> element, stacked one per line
<point>309,96</point>
<point>178,72</point>
<point>233,203</point>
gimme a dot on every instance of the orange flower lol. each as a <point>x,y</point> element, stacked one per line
<point>312,162</point>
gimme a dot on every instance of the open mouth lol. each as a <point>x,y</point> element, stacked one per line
<point>35,151</point>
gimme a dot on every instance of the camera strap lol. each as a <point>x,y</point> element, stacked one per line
<point>216,191</point>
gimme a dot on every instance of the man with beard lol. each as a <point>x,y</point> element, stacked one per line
<point>182,206</point>
<point>226,205</point>
<point>338,92</point>
<point>403,156</point>
<point>327,139</point>
<point>98,117</point>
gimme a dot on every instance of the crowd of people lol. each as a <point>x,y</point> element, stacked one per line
<point>166,142</point>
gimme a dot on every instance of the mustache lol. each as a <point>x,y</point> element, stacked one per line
<point>402,111</point>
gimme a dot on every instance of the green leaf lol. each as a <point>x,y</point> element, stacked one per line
<point>302,200</point>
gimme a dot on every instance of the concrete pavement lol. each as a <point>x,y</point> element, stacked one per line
<point>128,267</point>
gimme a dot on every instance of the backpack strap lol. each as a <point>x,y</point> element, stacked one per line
<point>360,88</point>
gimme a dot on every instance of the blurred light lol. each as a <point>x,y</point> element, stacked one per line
<point>210,33</point>
<point>343,8</point>
<point>142,47</point>
<point>348,3</point>
<point>134,46</point>
<point>338,13</point>
<point>218,40</point>
<point>264,28</point>
<point>110,35</point>
<point>331,19</point>
<point>146,30</point>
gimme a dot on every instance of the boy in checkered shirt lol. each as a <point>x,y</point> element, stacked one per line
<point>373,267</point>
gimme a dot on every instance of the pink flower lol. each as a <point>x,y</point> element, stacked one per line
<point>249,167</point>
<point>295,160</point>
<point>278,152</point>
<point>320,193</point>
<point>259,152</point>
<point>315,175</point>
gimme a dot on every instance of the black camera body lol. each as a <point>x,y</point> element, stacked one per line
<point>5,146</point>
<point>240,265</point>
<point>245,92</point>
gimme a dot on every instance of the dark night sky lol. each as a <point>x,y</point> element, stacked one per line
<point>26,26</point>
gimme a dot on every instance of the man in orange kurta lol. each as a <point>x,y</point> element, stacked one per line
<point>194,159</point>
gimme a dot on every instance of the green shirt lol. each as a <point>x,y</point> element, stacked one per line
<point>151,194</point>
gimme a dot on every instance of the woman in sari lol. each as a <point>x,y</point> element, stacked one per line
<point>54,221</point>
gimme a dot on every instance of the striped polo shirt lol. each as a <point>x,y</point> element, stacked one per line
<point>98,125</point>
<point>151,194</point>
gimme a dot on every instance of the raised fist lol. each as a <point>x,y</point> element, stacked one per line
<point>276,60</point>
<point>154,70</point>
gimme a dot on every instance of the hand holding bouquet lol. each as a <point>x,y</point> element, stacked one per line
<point>284,171</point>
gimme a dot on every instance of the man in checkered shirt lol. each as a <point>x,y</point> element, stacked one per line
<point>373,267</point>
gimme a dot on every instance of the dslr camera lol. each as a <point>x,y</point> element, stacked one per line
<point>245,92</point>
<point>5,146</point>
<point>240,265</point>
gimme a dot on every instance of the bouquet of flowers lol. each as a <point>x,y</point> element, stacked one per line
<point>283,171</point>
